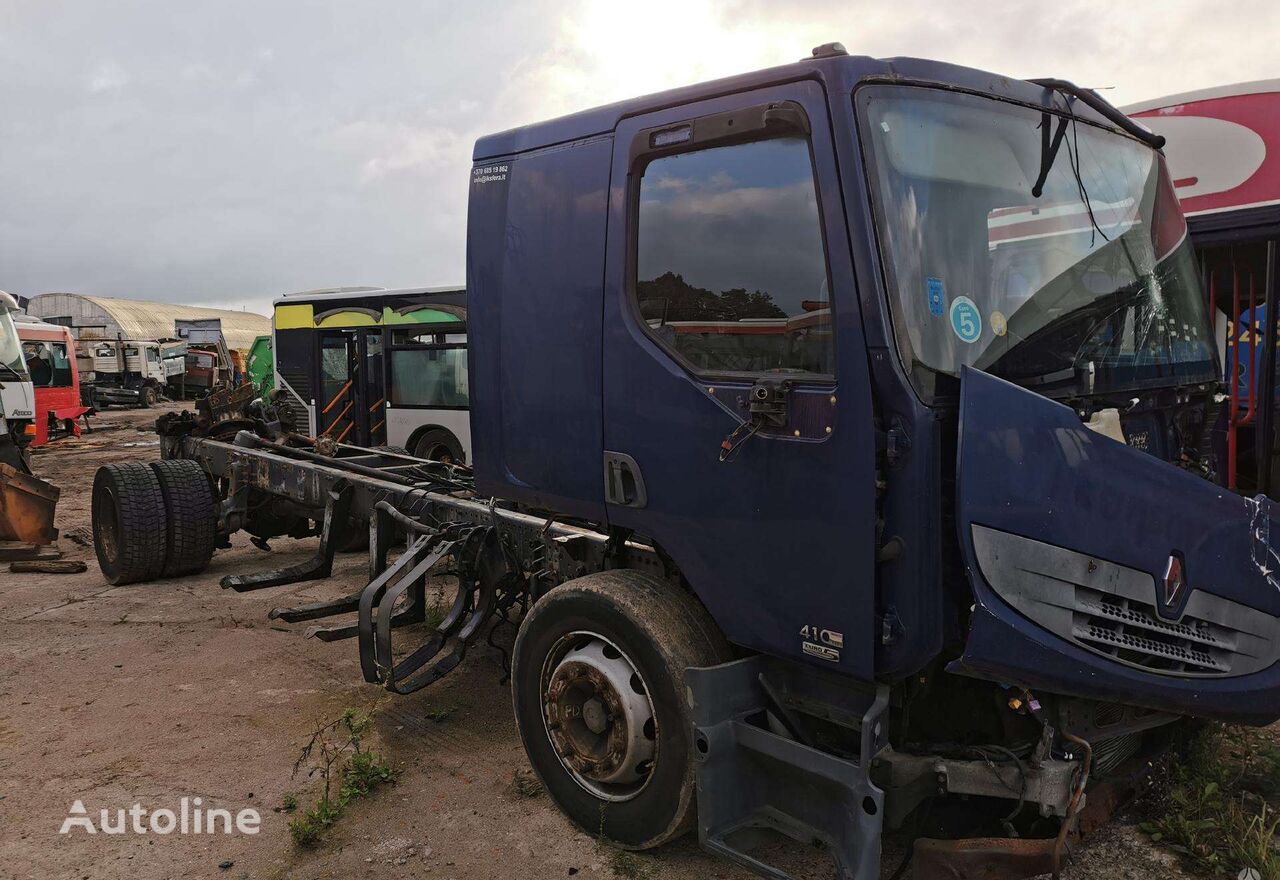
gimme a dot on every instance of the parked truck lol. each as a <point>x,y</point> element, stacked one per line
<point>135,372</point>
<point>790,425</point>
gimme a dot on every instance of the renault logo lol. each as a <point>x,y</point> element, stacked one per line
<point>1175,580</point>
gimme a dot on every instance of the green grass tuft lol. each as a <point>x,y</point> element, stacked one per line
<point>1219,807</point>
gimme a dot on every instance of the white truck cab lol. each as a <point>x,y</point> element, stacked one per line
<point>17,396</point>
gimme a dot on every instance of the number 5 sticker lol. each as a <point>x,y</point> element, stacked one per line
<point>966,320</point>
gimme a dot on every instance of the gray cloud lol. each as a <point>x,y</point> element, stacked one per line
<point>223,153</point>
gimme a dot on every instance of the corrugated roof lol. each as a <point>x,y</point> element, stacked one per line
<point>140,319</point>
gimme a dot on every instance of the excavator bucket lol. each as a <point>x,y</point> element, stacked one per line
<point>26,507</point>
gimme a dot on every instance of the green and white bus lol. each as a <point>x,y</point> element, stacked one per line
<point>377,367</point>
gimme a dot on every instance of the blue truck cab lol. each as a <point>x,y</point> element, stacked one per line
<point>839,340</point>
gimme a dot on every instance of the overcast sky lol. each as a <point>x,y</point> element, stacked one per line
<point>223,153</point>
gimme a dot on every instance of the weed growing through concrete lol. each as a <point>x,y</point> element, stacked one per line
<point>1219,807</point>
<point>337,754</point>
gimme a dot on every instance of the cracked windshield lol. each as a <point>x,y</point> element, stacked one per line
<point>1036,247</point>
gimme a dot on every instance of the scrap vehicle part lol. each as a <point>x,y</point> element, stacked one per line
<point>27,505</point>
<point>130,526</point>
<point>751,777</point>
<point>192,519</point>
<point>911,778</point>
<point>336,517</point>
<point>48,566</point>
<point>982,858</point>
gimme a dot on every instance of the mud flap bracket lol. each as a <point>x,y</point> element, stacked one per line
<point>751,780</point>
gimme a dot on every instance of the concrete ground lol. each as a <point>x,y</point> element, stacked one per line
<point>154,692</point>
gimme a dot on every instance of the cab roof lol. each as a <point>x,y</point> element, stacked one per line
<point>837,73</point>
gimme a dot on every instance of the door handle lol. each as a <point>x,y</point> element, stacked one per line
<point>623,484</point>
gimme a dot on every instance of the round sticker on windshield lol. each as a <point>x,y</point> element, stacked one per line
<point>999,324</point>
<point>966,320</point>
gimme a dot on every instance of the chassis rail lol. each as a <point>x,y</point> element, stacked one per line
<point>502,556</point>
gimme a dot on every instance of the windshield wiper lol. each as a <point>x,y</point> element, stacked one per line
<point>1048,150</point>
<point>11,371</point>
<point>1104,107</point>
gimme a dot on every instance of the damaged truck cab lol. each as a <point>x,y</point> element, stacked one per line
<point>836,340</point>
<point>794,404</point>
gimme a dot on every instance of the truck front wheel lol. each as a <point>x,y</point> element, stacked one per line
<point>598,686</point>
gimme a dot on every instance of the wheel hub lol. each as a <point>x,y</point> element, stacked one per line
<point>599,718</point>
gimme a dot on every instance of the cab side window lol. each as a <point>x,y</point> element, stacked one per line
<point>731,272</point>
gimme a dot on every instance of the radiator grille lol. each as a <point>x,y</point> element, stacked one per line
<point>1131,631</point>
<point>1111,610</point>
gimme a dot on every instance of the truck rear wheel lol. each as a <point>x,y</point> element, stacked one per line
<point>192,516</point>
<point>598,687</point>
<point>129,523</point>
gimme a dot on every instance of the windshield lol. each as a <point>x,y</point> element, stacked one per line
<point>1047,251</point>
<point>11,364</point>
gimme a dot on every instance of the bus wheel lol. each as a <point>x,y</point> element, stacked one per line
<point>439,444</point>
<point>598,687</point>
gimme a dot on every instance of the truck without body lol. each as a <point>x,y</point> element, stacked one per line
<point>789,412</point>
<point>135,372</point>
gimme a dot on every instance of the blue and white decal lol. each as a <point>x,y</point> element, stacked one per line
<point>936,295</point>
<point>966,320</point>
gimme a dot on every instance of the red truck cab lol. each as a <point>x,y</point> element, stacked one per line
<point>49,351</point>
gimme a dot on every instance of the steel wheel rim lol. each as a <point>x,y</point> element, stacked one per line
<point>108,523</point>
<point>597,713</point>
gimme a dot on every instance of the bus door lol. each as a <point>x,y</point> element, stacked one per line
<point>336,400</point>
<point>371,389</point>
<point>352,398</point>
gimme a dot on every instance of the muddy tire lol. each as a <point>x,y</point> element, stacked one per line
<point>439,444</point>
<point>129,523</point>
<point>598,670</point>
<point>149,397</point>
<point>192,518</point>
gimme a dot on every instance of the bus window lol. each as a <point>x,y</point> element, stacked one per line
<point>428,368</point>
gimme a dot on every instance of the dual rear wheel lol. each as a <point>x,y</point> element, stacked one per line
<point>153,520</point>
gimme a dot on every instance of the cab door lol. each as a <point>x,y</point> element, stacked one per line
<point>738,426</point>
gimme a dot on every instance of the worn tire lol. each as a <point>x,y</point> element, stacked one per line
<point>129,523</point>
<point>192,528</point>
<point>661,631</point>
<point>436,443</point>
